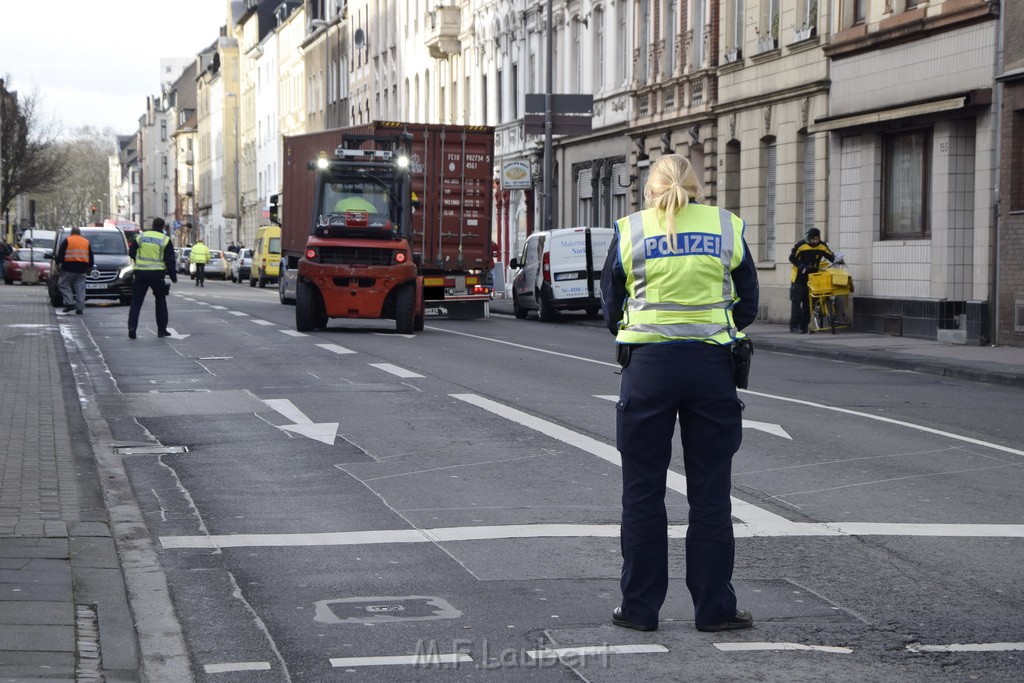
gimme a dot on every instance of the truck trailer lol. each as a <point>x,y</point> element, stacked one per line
<point>377,216</point>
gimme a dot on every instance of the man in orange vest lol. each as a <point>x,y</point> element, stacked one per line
<point>76,260</point>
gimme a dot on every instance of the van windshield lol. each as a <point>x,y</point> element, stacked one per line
<point>40,242</point>
<point>106,243</point>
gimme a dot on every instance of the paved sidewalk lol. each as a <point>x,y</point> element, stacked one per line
<point>995,365</point>
<point>64,613</point>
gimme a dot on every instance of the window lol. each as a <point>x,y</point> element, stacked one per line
<point>531,74</point>
<point>622,35</point>
<point>598,48</point>
<point>163,165</point>
<point>515,90</point>
<point>769,151</point>
<point>584,196</point>
<point>1017,161</point>
<point>859,11</point>
<point>809,16</point>
<point>671,29</point>
<point>699,19</point>
<point>620,185</point>
<point>577,56</point>
<point>499,85</point>
<point>772,19</point>
<point>483,98</point>
<point>163,129</point>
<point>645,37</point>
<point>731,198</point>
<point>734,43</point>
<point>808,178</point>
<point>906,168</point>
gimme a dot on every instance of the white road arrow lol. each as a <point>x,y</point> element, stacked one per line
<point>769,427</point>
<point>175,335</point>
<point>321,431</point>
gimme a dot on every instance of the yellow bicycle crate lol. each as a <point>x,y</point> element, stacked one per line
<point>830,282</point>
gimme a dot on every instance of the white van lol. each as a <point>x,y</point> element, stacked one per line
<point>41,239</point>
<point>560,270</point>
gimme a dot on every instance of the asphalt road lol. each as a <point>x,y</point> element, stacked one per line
<point>360,505</point>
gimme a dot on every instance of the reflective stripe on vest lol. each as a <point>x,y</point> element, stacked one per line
<point>77,249</point>
<point>150,255</point>
<point>692,295</point>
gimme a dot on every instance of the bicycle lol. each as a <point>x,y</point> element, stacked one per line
<point>823,288</point>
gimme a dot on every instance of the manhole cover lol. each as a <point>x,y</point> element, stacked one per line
<point>382,609</point>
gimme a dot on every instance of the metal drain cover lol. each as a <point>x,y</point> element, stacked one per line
<point>383,609</point>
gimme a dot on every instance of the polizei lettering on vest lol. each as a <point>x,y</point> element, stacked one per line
<point>687,244</point>
<point>152,240</point>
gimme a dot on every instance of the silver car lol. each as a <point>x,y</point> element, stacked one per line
<point>216,267</point>
<point>241,266</point>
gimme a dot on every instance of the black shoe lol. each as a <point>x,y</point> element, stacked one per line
<point>803,330</point>
<point>131,334</point>
<point>163,333</point>
<point>79,312</point>
<point>68,309</point>
<point>743,619</point>
<point>620,619</point>
<point>794,330</point>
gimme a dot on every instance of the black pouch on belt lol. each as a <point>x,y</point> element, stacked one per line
<point>742,352</point>
<point>623,353</point>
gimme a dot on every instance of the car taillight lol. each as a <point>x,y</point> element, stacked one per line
<point>311,254</point>
<point>547,267</point>
<point>400,257</point>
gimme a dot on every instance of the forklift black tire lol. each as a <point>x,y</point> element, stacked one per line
<point>405,310</point>
<point>516,308</point>
<point>306,300</point>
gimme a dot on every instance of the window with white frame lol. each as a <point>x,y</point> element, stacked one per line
<point>769,162</point>
<point>735,28</point>
<point>669,32</point>
<point>808,20</point>
<point>622,35</point>
<point>906,172</point>
<point>699,20</point>
<point>584,196</point>
<point>644,29</point>
<point>620,186</point>
<point>769,29</point>
<point>577,55</point>
<point>598,61</point>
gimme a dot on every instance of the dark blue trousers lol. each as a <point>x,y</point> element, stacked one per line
<point>143,282</point>
<point>692,382</point>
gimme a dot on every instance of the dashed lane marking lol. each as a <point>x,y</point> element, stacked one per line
<point>228,667</point>
<point>293,333</point>
<point>968,647</point>
<point>219,308</point>
<point>262,322</point>
<point>425,659</point>
<point>592,650</point>
<point>395,370</point>
<point>760,647</point>
<point>334,348</point>
<point>239,314</point>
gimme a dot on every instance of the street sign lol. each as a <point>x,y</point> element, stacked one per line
<point>515,174</point>
<point>570,114</point>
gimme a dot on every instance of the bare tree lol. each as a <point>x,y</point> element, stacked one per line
<point>31,160</point>
<point>81,194</point>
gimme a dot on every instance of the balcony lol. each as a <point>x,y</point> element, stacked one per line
<point>442,31</point>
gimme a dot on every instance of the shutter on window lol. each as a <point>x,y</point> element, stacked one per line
<point>620,179</point>
<point>808,182</point>
<point>769,235</point>
<point>584,185</point>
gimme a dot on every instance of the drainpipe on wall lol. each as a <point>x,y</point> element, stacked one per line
<point>997,148</point>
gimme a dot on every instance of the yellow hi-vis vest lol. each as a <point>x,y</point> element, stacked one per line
<point>685,294</point>
<point>150,254</point>
<point>200,253</point>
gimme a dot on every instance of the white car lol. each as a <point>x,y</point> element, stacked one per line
<point>241,266</point>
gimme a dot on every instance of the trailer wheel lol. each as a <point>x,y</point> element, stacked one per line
<point>516,308</point>
<point>405,310</point>
<point>306,301</point>
<point>546,312</point>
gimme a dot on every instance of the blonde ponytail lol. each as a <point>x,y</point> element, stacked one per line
<point>671,185</point>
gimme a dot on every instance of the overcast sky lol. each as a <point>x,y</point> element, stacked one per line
<point>94,62</point>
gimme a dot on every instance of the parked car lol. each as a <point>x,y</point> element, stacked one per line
<point>183,259</point>
<point>113,270</point>
<point>217,266</point>
<point>241,266</point>
<point>560,270</point>
<point>40,239</point>
<point>20,259</point>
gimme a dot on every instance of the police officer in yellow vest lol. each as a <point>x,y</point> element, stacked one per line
<point>200,256</point>
<point>677,287</point>
<point>154,257</point>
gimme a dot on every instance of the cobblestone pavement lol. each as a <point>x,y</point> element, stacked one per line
<point>59,572</point>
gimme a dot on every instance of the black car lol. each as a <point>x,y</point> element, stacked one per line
<point>113,271</point>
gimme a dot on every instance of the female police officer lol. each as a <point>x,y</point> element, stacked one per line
<point>678,286</point>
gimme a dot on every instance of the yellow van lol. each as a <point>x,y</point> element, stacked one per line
<point>266,256</point>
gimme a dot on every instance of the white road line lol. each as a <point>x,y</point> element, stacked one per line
<point>236,666</point>
<point>752,647</point>
<point>334,348</point>
<point>524,531</point>
<point>589,650</point>
<point>239,313</point>
<point>395,370</point>
<point>262,322</point>
<point>220,308</point>
<point>889,420</point>
<point>425,659</point>
<point>528,348</point>
<point>293,333</point>
<point>968,647</point>
<point>742,510</point>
